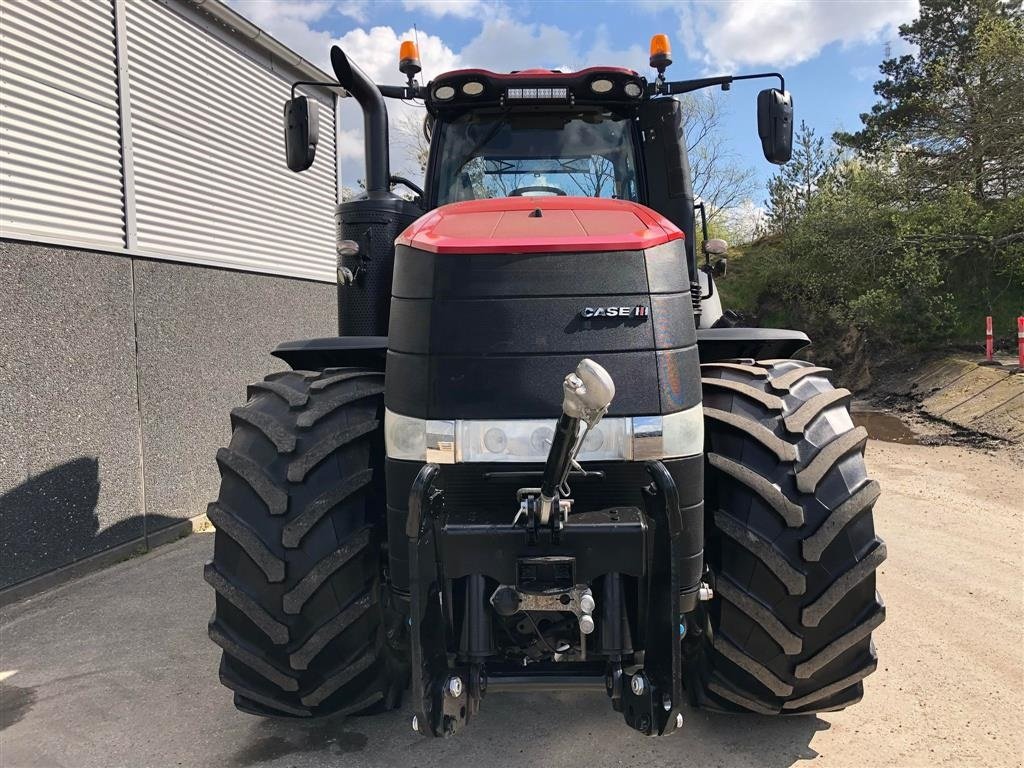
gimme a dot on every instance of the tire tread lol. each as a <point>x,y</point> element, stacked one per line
<point>304,625</point>
<point>791,543</point>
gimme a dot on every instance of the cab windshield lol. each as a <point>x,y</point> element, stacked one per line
<point>581,153</point>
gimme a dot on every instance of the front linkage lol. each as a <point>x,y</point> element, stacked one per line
<point>547,559</point>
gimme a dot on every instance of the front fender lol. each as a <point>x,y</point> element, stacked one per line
<point>716,344</point>
<point>334,352</point>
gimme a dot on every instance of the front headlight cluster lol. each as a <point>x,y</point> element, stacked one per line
<point>636,438</point>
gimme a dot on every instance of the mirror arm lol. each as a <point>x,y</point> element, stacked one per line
<point>390,91</point>
<point>326,83</point>
<point>401,91</point>
<point>406,183</point>
<point>688,86</point>
<point>707,270</point>
<point>704,229</point>
<point>759,75</point>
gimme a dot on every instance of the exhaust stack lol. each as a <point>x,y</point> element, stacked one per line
<point>375,121</point>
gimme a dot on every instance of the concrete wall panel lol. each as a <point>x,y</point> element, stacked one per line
<point>70,476</point>
<point>204,334</point>
<point>117,377</point>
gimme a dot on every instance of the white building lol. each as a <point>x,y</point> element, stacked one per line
<point>153,249</point>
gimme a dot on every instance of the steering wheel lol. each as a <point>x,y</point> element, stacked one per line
<point>525,191</point>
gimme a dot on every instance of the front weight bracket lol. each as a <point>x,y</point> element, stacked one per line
<point>652,699</point>
<point>440,703</point>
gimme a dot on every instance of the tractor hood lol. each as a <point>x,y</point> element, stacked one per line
<point>492,300</point>
<point>539,225</point>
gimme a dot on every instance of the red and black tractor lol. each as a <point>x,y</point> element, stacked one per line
<point>538,454</point>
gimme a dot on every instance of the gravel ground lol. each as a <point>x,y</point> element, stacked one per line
<point>115,669</point>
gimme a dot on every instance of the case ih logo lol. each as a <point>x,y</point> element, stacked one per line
<point>639,312</point>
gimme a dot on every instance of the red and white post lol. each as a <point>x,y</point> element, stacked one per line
<point>988,338</point>
<point>1020,341</point>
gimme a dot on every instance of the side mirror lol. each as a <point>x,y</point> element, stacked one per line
<point>301,132</point>
<point>715,247</point>
<point>775,124</point>
<point>719,267</point>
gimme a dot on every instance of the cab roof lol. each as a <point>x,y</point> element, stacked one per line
<point>521,74</point>
<point>472,89</point>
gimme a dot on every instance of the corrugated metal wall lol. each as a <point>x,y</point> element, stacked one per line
<point>211,184</point>
<point>60,156</point>
<point>199,168</point>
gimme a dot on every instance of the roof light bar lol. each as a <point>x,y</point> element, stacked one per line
<point>537,93</point>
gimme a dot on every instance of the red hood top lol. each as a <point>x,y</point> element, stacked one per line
<point>511,225</point>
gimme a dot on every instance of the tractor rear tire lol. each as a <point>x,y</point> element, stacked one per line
<point>302,616</point>
<point>791,545</point>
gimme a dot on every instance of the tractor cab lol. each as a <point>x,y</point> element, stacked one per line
<point>535,133</point>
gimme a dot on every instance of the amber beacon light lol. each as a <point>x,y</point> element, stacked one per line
<point>409,59</point>
<point>661,52</point>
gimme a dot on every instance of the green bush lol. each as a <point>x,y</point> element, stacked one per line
<point>865,255</point>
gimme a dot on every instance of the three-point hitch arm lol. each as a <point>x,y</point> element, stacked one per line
<point>587,393</point>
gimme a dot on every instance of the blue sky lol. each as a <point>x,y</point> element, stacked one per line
<point>829,50</point>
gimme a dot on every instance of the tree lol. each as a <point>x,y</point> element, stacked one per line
<point>791,189</point>
<point>719,179</point>
<point>412,137</point>
<point>952,113</point>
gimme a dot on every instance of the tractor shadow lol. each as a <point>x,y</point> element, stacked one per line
<point>329,738</point>
<point>564,724</point>
<point>535,729</point>
<point>52,519</point>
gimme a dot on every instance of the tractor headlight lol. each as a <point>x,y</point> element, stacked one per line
<point>665,437</point>
<point>418,439</point>
<point>639,438</point>
<point>529,440</point>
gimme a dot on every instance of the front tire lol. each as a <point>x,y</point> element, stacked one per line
<point>791,546</point>
<point>301,614</point>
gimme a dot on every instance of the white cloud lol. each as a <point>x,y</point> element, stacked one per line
<point>603,53</point>
<point>290,23</point>
<point>460,9</point>
<point>376,52</point>
<point>350,146</point>
<point>357,10</point>
<point>261,12</point>
<point>505,44</point>
<point>743,33</point>
<point>654,6</point>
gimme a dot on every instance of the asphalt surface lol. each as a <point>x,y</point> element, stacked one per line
<point>115,669</point>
